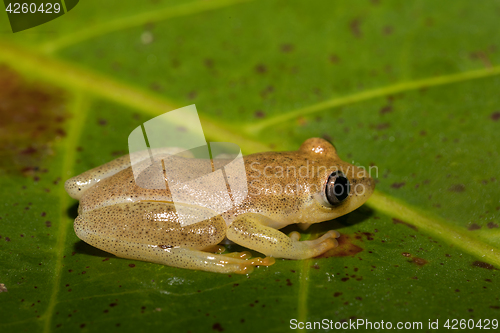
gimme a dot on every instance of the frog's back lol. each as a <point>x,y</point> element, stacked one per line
<point>152,185</point>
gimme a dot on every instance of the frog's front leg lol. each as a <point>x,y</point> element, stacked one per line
<point>150,231</point>
<point>248,231</point>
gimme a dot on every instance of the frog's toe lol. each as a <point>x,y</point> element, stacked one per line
<point>240,255</point>
<point>218,249</point>
<point>330,234</point>
<point>242,259</point>
<point>295,235</point>
<point>324,243</point>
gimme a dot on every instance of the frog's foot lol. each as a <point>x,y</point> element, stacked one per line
<point>247,266</point>
<point>324,243</point>
<point>248,232</point>
<point>321,244</point>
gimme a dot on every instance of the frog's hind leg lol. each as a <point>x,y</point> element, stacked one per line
<point>150,231</point>
<point>189,258</point>
<point>77,185</point>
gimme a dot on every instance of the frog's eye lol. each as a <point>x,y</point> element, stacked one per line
<point>337,188</point>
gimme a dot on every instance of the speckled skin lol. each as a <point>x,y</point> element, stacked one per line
<point>129,221</point>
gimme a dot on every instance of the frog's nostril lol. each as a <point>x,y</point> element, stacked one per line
<point>337,188</point>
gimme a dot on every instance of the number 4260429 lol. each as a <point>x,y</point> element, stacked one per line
<point>24,8</point>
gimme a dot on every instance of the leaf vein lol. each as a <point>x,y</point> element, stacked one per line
<point>92,31</point>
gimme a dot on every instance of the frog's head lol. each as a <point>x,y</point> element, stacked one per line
<point>341,187</point>
<point>310,185</point>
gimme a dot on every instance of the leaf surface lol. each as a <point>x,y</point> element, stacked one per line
<point>407,88</point>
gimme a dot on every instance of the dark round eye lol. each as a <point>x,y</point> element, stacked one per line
<point>337,188</point>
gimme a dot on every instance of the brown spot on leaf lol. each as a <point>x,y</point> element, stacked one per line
<point>354,26</point>
<point>209,63</point>
<point>457,188</point>
<point>259,114</point>
<point>369,235</point>
<point>398,221</point>
<point>327,137</point>
<point>496,307</point>
<point>483,57</point>
<point>288,282</point>
<point>345,248</point>
<point>482,264</point>
<point>334,59</point>
<point>287,48</point>
<point>155,86</point>
<point>301,121</point>
<point>337,294</point>
<point>32,115</point>
<point>268,90</point>
<point>382,126</point>
<point>386,109</point>
<point>419,261</point>
<point>131,265</point>
<point>398,185</point>
<point>217,327</point>
<point>261,69</point>
<point>495,116</point>
<point>492,225</point>
<point>474,226</point>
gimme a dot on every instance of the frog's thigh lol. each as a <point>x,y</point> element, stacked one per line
<point>249,232</point>
<point>77,185</point>
<point>150,231</point>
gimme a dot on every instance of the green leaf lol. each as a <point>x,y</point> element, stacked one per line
<point>408,88</point>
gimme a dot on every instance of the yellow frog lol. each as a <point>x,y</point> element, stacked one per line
<point>306,186</point>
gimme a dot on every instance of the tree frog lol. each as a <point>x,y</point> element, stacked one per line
<point>306,186</point>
